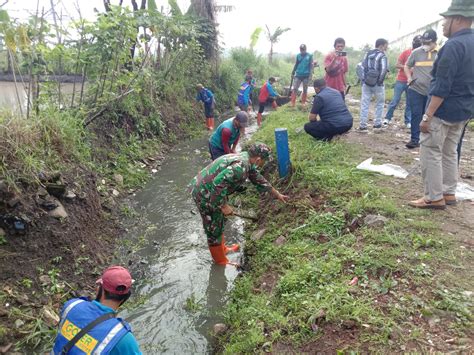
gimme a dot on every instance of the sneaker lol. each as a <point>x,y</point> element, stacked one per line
<point>362,129</point>
<point>386,122</point>
<point>377,126</point>
<point>412,145</point>
<point>408,125</point>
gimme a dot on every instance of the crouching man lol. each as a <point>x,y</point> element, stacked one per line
<point>334,116</point>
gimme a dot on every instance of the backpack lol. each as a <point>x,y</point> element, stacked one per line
<point>371,68</point>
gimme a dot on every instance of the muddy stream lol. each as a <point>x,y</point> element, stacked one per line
<point>183,292</point>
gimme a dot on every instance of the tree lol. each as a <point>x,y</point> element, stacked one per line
<point>274,38</point>
<point>254,37</point>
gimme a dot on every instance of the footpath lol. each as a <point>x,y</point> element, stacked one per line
<point>347,265</point>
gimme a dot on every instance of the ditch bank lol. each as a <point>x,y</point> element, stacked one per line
<point>346,265</point>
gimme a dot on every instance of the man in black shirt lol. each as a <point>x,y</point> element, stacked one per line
<point>334,116</point>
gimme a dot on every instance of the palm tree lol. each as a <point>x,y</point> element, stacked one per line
<point>274,38</point>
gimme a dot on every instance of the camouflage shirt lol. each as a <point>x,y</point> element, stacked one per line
<point>223,177</point>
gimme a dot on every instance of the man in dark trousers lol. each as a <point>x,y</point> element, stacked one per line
<point>226,137</point>
<point>334,116</point>
<point>451,105</point>
<point>104,333</point>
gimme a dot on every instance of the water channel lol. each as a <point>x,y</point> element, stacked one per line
<point>176,263</point>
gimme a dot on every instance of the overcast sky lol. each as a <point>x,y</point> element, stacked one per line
<point>316,23</point>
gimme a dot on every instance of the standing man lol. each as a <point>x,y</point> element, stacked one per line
<point>336,67</point>
<point>207,97</point>
<point>302,72</point>
<point>91,327</point>
<point>243,97</point>
<point>401,85</point>
<point>267,95</point>
<point>418,71</point>
<point>335,118</point>
<point>226,137</point>
<point>375,68</point>
<point>450,106</point>
<point>212,186</point>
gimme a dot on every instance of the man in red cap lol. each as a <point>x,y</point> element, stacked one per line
<point>92,326</point>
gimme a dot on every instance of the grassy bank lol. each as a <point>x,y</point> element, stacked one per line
<point>321,279</point>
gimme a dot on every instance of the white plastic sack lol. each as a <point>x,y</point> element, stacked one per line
<point>385,169</point>
<point>464,191</point>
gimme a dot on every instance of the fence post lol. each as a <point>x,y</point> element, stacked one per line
<point>283,151</point>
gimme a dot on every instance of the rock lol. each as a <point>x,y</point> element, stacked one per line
<point>3,312</point>
<point>56,190</point>
<point>118,179</point>
<point>19,323</point>
<point>45,280</point>
<point>257,234</point>
<point>349,324</point>
<point>375,221</point>
<point>280,240</point>
<point>49,316</point>
<point>219,328</point>
<point>59,212</point>
<point>42,192</point>
<point>70,196</point>
<point>49,203</point>
<point>13,201</point>
<point>3,186</point>
<point>22,299</point>
<point>5,349</point>
<point>115,193</point>
<point>2,233</point>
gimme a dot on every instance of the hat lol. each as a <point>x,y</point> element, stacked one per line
<point>243,118</point>
<point>463,8</point>
<point>429,36</point>
<point>303,46</point>
<point>417,39</point>
<point>116,280</point>
<point>261,150</point>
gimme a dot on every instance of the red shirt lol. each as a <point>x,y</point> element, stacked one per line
<point>403,59</point>
<point>335,74</point>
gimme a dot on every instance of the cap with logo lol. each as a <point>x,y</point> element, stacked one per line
<point>429,36</point>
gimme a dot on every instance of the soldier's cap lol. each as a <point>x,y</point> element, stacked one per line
<point>429,36</point>
<point>243,118</point>
<point>260,150</point>
<point>463,8</point>
<point>116,280</point>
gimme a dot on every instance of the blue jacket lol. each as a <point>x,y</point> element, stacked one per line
<point>243,97</point>
<point>206,96</point>
<point>216,138</point>
<point>102,339</point>
<point>331,108</point>
<point>453,77</point>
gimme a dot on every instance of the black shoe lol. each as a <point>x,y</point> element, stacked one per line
<point>378,126</point>
<point>362,129</point>
<point>412,145</point>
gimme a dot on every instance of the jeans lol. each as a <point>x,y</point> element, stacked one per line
<point>367,92</point>
<point>417,105</point>
<point>324,131</point>
<point>438,158</point>
<point>299,81</point>
<point>399,88</point>
<point>215,152</point>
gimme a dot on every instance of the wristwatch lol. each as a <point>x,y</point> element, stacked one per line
<point>425,118</point>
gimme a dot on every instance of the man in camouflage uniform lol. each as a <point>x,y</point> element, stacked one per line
<point>221,178</point>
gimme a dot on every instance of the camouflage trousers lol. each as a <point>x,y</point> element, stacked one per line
<point>213,222</point>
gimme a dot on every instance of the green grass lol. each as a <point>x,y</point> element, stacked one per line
<point>396,265</point>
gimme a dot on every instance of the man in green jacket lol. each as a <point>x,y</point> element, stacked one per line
<point>224,176</point>
<point>302,73</point>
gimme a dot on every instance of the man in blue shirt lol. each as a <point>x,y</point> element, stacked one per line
<point>302,72</point>
<point>335,118</point>
<point>104,333</point>
<point>451,105</point>
<point>207,97</point>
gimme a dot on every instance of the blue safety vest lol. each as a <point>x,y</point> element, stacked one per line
<point>78,313</point>
<point>216,138</point>
<point>244,93</point>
